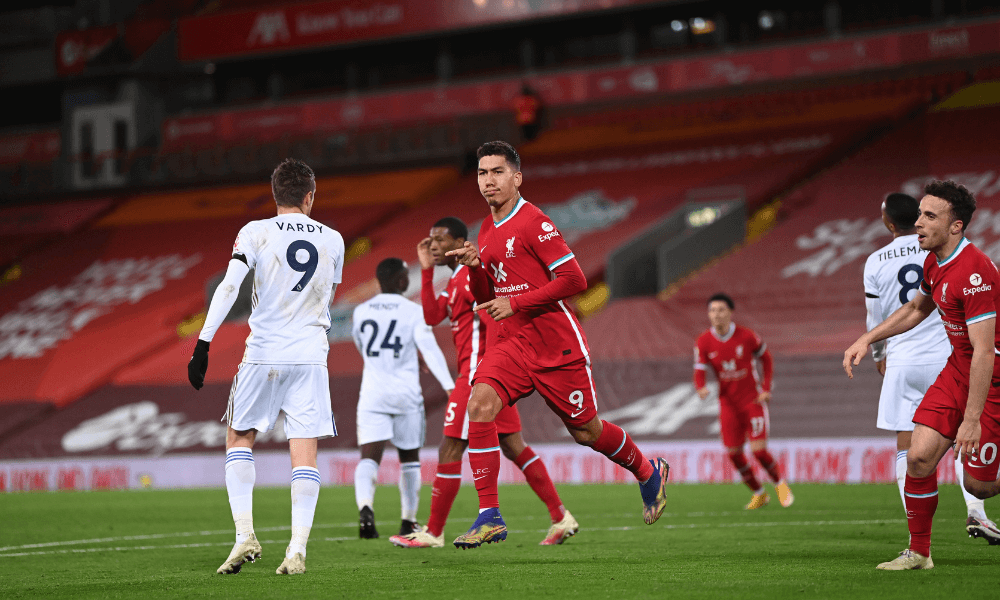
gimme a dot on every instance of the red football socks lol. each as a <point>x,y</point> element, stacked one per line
<point>619,447</point>
<point>538,478</point>
<point>741,464</point>
<point>921,502</point>
<point>484,457</point>
<point>446,484</point>
<point>767,461</point>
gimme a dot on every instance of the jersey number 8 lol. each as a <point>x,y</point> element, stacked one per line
<point>908,286</point>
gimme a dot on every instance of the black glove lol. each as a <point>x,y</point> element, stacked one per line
<point>198,364</point>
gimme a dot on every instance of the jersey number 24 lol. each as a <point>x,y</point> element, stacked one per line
<point>395,345</point>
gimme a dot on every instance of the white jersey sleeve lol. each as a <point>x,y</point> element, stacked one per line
<point>873,308</point>
<point>429,349</point>
<point>892,277</point>
<point>297,263</point>
<point>386,331</point>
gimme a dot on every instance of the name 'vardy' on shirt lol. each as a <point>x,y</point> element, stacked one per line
<point>305,227</point>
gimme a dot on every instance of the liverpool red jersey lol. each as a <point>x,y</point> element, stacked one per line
<point>732,358</point>
<point>456,302</point>
<point>519,254</point>
<point>966,289</point>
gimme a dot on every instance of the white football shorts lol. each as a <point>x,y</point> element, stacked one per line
<point>406,430</point>
<point>302,392</point>
<point>902,390</point>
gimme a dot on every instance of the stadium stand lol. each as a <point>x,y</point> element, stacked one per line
<point>801,284</point>
<point>93,302</point>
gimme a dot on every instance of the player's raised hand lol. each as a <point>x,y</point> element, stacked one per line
<point>967,438</point>
<point>468,255</point>
<point>853,356</point>
<point>424,254</point>
<point>198,365</point>
<point>498,308</point>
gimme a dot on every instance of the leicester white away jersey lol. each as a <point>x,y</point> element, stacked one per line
<point>892,277</point>
<point>388,330</point>
<point>296,263</point>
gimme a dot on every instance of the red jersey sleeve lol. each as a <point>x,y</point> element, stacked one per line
<point>700,365</point>
<point>435,307</point>
<point>546,242</point>
<point>978,299</point>
<point>569,280</point>
<point>761,353</point>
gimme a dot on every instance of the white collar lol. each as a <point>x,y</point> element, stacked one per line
<point>729,334</point>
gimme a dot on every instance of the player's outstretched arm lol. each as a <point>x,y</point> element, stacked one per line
<point>222,302</point>
<point>904,319</point>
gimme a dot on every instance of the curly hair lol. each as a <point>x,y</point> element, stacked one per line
<point>962,202</point>
<point>291,181</point>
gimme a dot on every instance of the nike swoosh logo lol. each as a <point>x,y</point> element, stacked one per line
<point>478,478</point>
<point>577,413</point>
<point>975,466</point>
<point>482,249</point>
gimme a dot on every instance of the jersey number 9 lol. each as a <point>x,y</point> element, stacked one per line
<point>308,268</point>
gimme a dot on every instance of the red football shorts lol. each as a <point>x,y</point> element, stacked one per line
<point>748,420</point>
<point>456,417</point>
<point>567,389</point>
<point>943,409</point>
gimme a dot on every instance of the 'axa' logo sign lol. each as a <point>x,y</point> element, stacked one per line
<point>268,29</point>
<point>498,273</point>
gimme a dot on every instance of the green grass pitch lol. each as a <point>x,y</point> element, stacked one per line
<point>156,544</point>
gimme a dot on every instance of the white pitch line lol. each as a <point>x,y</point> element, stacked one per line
<point>514,531</point>
<point>157,536</point>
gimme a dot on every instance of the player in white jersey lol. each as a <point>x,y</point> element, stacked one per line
<point>911,361</point>
<point>388,330</point>
<point>297,265</point>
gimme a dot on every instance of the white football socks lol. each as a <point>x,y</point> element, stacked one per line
<point>305,493</point>
<point>240,477</point>
<point>975,506</point>
<point>901,474</point>
<point>365,475</point>
<point>409,489</point>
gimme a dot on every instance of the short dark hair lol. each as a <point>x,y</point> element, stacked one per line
<point>456,228</point>
<point>291,181</point>
<point>902,209</point>
<point>962,202</point>
<point>500,148</point>
<point>724,298</point>
<point>388,270</point>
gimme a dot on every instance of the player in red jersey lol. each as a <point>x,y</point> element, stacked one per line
<point>962,407</point>
<point>470,336</point>
<point>731,351</point>
<point>520,273</point>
